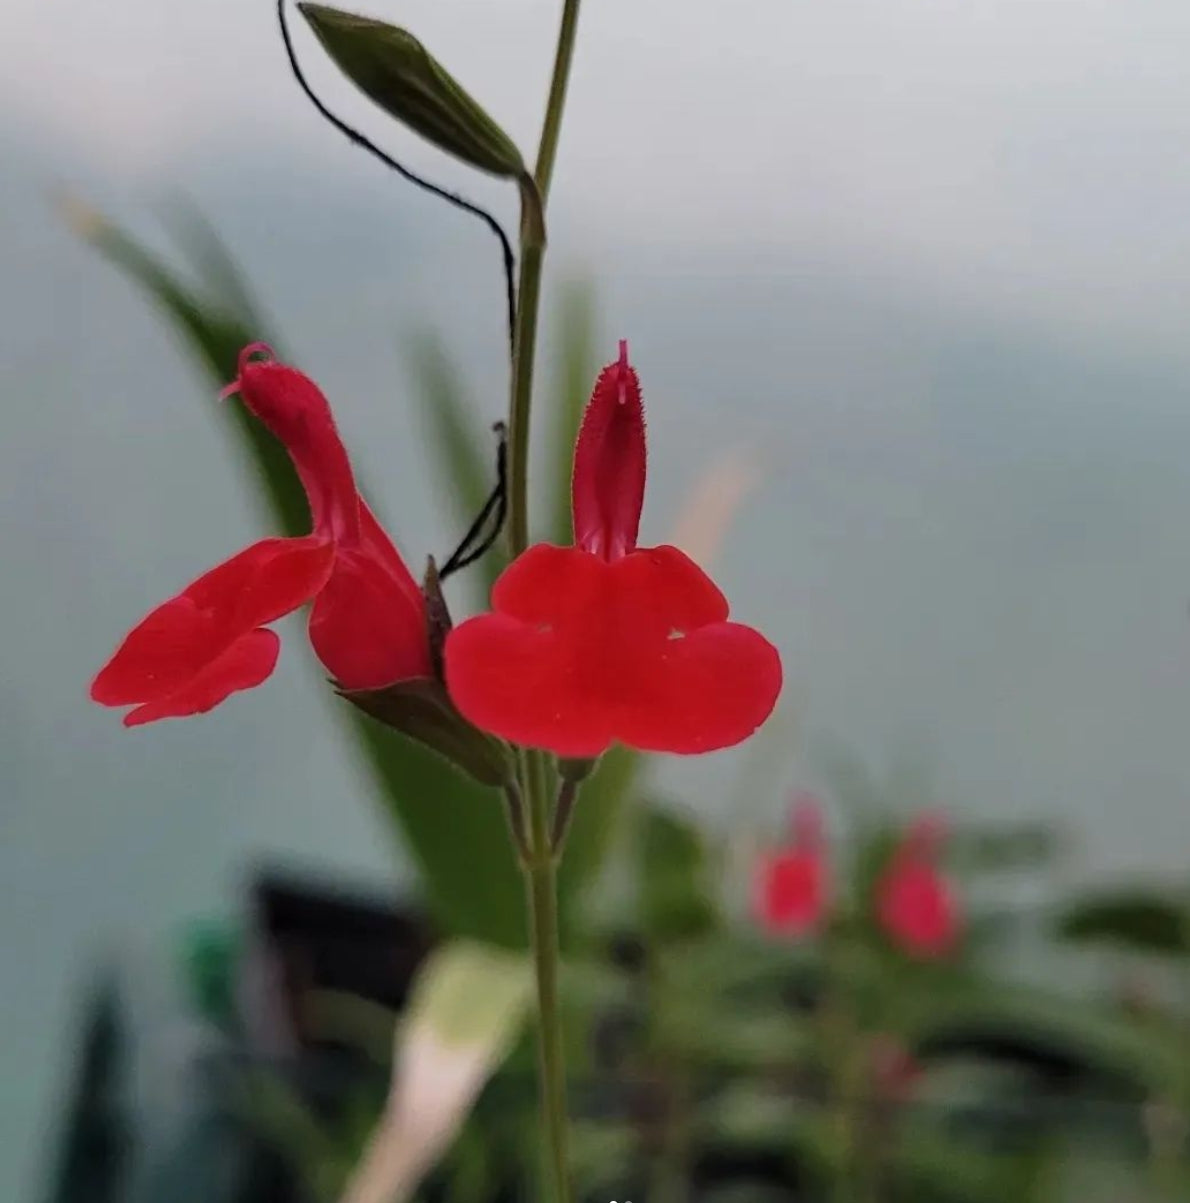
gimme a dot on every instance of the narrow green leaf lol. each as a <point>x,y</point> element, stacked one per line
<point>1141,918</point>
<point>996,847</point>
<point>393,69</point>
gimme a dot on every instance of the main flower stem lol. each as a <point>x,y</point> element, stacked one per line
<point>524,345</point>
<point>541,863</point>
<point>524,342</point>
<point>541,875</point>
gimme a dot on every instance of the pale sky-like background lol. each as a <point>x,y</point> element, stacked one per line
<point>930,260</point>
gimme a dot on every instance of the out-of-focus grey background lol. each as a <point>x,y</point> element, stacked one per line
<point>929,261</point>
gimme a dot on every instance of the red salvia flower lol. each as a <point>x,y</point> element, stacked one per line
<point>792,883</point>
<point>605,641</point>
<point>915,904</point>
<point>367,624</point>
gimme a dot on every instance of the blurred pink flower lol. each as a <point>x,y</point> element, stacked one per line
<point>915,904</point>
<point>792,882</point>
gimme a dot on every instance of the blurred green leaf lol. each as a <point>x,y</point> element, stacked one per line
<point>675,881</point>
<point>1139,918</point>
<point>991,848</point>
<point>467,993</point>
<point>967,1011</point>
<point>575,367</point>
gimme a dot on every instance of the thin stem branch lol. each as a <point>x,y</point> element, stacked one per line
<point>563,811</point>
<point>515,808</point>
<point>541,868</point>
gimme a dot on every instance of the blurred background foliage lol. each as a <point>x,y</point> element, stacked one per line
<point>1048,1060</point>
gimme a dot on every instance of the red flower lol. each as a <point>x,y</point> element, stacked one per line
<point>914,903</point>
<point>606,641</point>
<point>367,624</point>
<point>791,884</point>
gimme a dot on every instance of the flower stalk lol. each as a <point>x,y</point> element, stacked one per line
<point>540,866</point>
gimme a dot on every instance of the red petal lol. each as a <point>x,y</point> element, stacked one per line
<point>917,909</point>
<point>791,892</point>
<point>378,546</point>
<point>583,651</point>
<point>662,589</point>
<point>293,407</point>
<point>608,489</point>
<point>709,690</point>
<point>185,634</point>
<point>158,655</point>
<point>245,664</point>
<point>516,682</point>
<point>366,628</point>
<point>263,582</point>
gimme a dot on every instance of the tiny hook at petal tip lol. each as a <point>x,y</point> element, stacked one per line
<point>262,351</point>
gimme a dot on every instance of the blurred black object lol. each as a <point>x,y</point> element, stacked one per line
<point>97,1130</point>
<point>162,1108</point>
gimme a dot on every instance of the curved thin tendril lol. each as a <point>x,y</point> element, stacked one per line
<point>474,543</point>
<point>453,198</point>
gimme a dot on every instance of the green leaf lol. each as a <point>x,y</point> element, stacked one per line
<point>1139,918</point>
<point>393,69</point>
<point>471,994</point>
<point>997,847</point>
<point>675,882</point>
<point>454,829</point>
